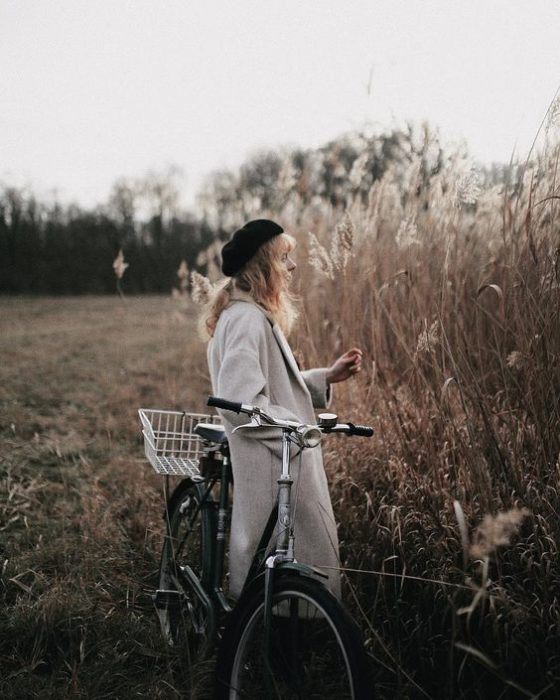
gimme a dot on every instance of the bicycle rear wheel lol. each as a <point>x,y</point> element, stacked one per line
<point>188,542</point>
<point>315,647</point>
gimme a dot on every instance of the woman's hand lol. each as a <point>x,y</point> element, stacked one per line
<point>345,367</point>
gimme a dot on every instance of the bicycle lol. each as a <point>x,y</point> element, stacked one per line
<point>287,635</point>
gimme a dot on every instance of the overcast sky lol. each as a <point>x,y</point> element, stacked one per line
<point>92,90</point>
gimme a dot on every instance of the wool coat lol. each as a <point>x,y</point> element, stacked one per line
<point>250,361</point>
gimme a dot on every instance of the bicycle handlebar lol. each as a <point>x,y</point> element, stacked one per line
<point>347,428</point>
<point>350,429</point>
<point>222,403</point>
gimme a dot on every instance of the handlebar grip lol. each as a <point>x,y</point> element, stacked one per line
<point>222,403</point>
<point>361,430</point>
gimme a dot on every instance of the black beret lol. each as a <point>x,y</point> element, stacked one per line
<point>245,242</point>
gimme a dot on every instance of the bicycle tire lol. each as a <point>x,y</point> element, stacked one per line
<point>190,520</point>
<point>314,653</point>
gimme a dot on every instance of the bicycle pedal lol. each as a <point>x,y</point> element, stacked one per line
<point>163,599</point>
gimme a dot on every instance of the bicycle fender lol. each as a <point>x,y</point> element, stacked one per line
<point>303,569</point>
<point>288,567</point>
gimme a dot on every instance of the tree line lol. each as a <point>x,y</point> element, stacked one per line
<point>47,248</point>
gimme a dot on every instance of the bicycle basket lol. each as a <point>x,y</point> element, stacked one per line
<point>170,444</point>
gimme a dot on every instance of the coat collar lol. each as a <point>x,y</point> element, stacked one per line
<point>240,295</point>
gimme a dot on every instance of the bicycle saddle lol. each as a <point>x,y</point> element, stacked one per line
<point>211,432</point>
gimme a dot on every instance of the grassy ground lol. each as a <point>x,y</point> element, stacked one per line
<point>80,509</point>
<point>81,525</point>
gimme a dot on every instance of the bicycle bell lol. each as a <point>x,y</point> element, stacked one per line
<point>327,420</point>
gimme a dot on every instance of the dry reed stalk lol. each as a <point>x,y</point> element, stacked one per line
<point>492,441</point>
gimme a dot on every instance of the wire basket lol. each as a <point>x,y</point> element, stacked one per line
<point>170,444</point>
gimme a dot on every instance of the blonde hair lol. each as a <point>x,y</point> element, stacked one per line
<point>265,279</point>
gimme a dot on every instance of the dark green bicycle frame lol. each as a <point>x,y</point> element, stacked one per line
<point>216,513</point>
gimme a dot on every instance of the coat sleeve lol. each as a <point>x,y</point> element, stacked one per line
<point>320,390</point>
<point>241,377</point>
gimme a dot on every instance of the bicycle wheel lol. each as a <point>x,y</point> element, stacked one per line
<point>315,647</point>
<point>188,542</point>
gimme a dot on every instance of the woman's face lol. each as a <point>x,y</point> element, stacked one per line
<point>287,250</point>
<point>288,262</point>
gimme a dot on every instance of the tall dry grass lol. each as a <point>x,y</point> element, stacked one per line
<point>453,293</point>
<point>449,516</point>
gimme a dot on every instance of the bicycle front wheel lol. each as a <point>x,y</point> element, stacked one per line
<point>188,542</point>
<point>314,648</point>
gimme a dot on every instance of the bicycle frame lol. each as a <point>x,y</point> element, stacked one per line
<point>216,595</point>
<point>214,599</point>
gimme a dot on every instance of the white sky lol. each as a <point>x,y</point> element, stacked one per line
<point>91,90</point>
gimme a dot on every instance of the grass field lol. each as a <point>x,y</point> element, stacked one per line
<point>448,612</point>
<point>80,509</point>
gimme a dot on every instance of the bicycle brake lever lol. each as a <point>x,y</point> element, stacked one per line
<point>255,422</point>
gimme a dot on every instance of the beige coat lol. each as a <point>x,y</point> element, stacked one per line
<point>251,362</point>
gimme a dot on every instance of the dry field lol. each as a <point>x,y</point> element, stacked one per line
<point>80,510</point>
<point>449,517</point>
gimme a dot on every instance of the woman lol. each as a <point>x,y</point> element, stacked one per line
<point>251,362</point>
